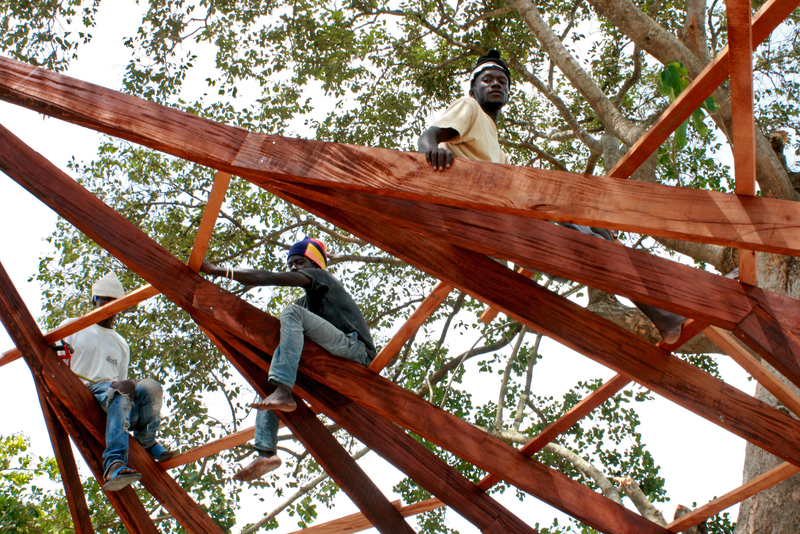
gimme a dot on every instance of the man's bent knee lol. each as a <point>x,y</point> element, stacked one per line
<point>126,387</point>
<point>291,311</point>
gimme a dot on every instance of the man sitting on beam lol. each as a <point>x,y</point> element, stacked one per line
<point>326,314</point>
<point>99,356</point>
<point>468,129</point>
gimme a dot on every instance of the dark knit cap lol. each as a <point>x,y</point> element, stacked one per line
<point>490,61</point>
<point>313,249</point>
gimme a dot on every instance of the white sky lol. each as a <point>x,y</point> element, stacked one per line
<point>699,460</point>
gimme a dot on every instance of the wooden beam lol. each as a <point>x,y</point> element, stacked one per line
<point>344,525</point>
<point>706,216</point>
<point>211,448</point>
<point>96,315</point>
<point>410,327</point>
<point>771,14</point>
<point>760,483</point>
<point>582,331</point>
<point>489,314</point>
<point>593,265</point>
<point>753,366</point>
<point>386,439</point>
<point>222,180</point>
<point>743,129</point>
<point>62,450</point>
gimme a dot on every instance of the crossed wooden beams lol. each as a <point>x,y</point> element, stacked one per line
<point>441,229</point>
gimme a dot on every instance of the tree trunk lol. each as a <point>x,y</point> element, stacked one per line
<point>777,509</point>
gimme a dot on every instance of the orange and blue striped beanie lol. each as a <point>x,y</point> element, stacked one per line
<point>313,249</point>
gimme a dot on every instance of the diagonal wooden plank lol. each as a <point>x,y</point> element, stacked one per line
<point>771,14</point>
<point>96,315</point>
<point>388,440</point>
<point>582,331</point>
<point>410,327</point>
<point>62,450</point>
<point>760,483</point>
<point>206,228</point>
<point>755,223</point>
<point>595,266</point>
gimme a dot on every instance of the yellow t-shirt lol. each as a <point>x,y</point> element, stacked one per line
<point>477,137</point>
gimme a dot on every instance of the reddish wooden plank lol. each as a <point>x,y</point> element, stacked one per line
<point>771,14</point>
<point>383,437</point>
<point>575,256</point>
<point>211,448</point>
<point>582,331</point>
<point>411,326</point>
<point>206,228</point>
<point>761,332</point>
<point>96,315</point>
<point>762,482</point>
<point>594,257</point>
<point>489,314</point>
<point>62,450</point>
<point>707,216</point>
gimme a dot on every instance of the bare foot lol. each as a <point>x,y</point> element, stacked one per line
<point>281,399</point>
<point>258,468</point>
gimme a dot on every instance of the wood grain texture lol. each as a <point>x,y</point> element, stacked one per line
<point>753,223</point>
<point>780,347</point>
<point>410,327</point>
<point>383,437</point>
<point>206,228</point>
<point>762,482</point>
<point>489,314</point>
<point>582,331</point>
<point>597,263</point>
<point>211,448</point>
<point>70,478</point>
<point>96,315</point>
<point>771,14</point>
<point>754,368</point>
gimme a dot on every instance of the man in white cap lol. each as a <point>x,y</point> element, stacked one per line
<point>100,358</point>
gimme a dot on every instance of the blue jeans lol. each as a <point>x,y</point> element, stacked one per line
<point>143,416</point>
<point>297,323</point>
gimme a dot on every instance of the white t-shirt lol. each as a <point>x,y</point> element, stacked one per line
<point>101,355</point>
<point>477,137</point>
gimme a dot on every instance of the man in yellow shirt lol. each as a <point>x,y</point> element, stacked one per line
<point>468,129</point>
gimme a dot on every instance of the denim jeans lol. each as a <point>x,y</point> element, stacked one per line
<point>297,323</point>
<point>143,416</point>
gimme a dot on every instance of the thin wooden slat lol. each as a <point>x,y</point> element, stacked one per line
<point>706,216</point>
<point>222,180</point>
<point>348,524</point>
<point>771,14</point>
<point>697,288</point>
<point>211,448</point>
<point>410,327</point>
<point>96,315</point>
<point>62,450</point>
<point>760,483</point>
<point>386,439</point>
<point>489,314</point>
<point>582,331</point>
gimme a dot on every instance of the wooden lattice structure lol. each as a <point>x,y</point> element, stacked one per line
<point>449,225</point>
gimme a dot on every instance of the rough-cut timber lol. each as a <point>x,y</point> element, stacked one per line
<point>762,224</point>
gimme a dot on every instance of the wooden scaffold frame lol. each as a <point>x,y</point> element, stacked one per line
<point>396,202</point>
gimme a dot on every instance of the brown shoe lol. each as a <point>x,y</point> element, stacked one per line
<point>258,468</point>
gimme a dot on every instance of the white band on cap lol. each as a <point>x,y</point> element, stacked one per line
<point>483,66</point>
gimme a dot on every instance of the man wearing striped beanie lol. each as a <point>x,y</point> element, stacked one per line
<point>326,314</point>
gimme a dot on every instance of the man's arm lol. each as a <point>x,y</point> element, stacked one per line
<point>428,143</point>
<point>256,277</point>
